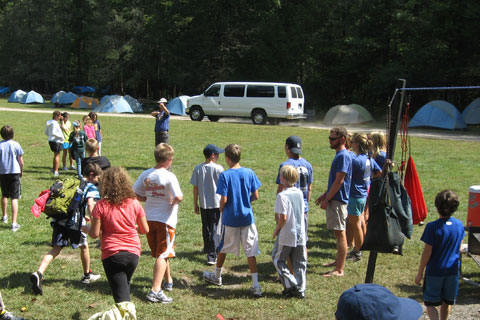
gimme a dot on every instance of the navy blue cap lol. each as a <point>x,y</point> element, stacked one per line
<point>294,144</point>
<point>369,301</point>
<point>211,149</point>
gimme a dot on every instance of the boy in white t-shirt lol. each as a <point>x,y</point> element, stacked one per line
<point>204,180</point>
<point>160,190</point>
<point>290,234</point>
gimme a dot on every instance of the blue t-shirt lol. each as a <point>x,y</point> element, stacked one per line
<point>341,163</point>
<point>362,168</point>
<point>445,237</point>
<point>162,122</point>
<point>9,152</point>
<point>238,185</point>
<point>380,159</point>
<point>305,176</point>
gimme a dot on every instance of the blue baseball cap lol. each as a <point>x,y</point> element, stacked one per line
<point>369,301</point>
<point>294,144</point>
<point>211,149</point>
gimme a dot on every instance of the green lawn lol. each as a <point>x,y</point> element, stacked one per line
<point>129,142</point>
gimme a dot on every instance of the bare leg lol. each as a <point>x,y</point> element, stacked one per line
<point>168,277</point>
<point>252,264</point>
<point>432,313</point>
<point>48,258</point>
<point>350,232</point>
<point>341,251</point>
<point>14,210</point>
<point>221,259</point>
<point>56,161</point>
<point>158,273</point>
<point>445,311</point>
<point>4,206</point>
<point>355,223</point>
<point>85,257</point>
<point>64,157</point>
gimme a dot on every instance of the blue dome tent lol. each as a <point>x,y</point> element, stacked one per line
<point>67,98</point>
<point>16,96</point>
<point>4,90</point>
<point>471,114</point>
<point>56,97</point>
<point>177,105</point>
<point>114,103</point>
<point>84,89</point>
<point>134,104</point>
<point>438,114</point>
<point>32,97</point>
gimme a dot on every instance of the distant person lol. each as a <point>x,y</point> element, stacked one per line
<point>88,127</point>
<point>11,171</point>
<point>4,314</point>
<point>162,122</point>
<point>238,188</point>
<point>335,199</point>
<point>98,130</point>
<point>290,233</point>
<point>67,128</point>
<point>78,138</point>
<point>379,148</point>
<point>55,139</point>
<point>441,257</point>
<point>160,190</point>
<point>92,147</point>
<point>205,180</point>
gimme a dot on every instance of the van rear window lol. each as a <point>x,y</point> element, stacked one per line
<point>282,92</point>
<point>234,90</point>
<point>260,91</point>
<point>294,92</point>
<point>299,92</point>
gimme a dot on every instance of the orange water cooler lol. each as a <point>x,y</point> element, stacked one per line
<point>473,215</point>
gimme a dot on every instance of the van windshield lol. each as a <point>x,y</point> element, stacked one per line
<point>213,91</point>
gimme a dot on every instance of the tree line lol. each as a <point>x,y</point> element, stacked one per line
<point>340,51</point>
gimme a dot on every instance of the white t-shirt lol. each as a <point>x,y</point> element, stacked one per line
<point>205,177</point>
<point>53,131</point>
<point>290,203</point>
<point>160,187</point>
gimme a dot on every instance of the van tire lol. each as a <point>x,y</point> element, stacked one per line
<point>259,117</point>
<point>196,113</point>
<point>213,118</point>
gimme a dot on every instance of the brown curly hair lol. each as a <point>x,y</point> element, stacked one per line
<point>116,185</point>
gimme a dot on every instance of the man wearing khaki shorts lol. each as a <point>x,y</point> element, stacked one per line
<point>335,199</point>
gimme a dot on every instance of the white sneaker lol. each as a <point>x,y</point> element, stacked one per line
<point>210,277</point>
<point>15,227</point>
<point>256,291</point>
<point>158,297</point>
<point>5,219</point>
<point>55,174</point>
<point>91,277</point>
<point>73,167</point>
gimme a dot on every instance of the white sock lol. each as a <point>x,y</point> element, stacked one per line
<point>254,279</point>
<point>218,272</point>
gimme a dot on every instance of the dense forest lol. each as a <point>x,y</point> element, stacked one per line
<point>340,51</point>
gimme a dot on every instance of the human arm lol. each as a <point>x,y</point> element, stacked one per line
<point>195,200</point>
<point>427,253</point>
<point>254,196</point>
<point>94,228</point>
<point>90,205</point>
<point>142,225</point>
<point>281,220</point>
<point>223,202</point>
<point>309,192</point>
<point>141,198</point>
<point>176,200</point>
<point>337,184</point>
<point>20,163</point>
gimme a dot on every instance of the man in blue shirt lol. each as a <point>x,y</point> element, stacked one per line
<point>335,199</point>
<point>162,122</point>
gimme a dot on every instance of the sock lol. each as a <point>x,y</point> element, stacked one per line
<point>254,279</point>
<point>2,312</point>
<point>218,272</point>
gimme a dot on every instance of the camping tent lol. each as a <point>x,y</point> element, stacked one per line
<point>438,114</point>
<point>4,90</point>
<point>85,103</point>
<point>177,105</point>
<point>56,97</point>
<point>347,114</point>
<point>471,114</point>
<point>134,104</point>
<point>32,97</point>
<point>84,89</point>
<point>114,103</point>
<point>16,96</point>
<point>67,98</point>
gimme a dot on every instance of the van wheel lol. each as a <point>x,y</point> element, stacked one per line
<point>196,114</point>
<point>273,121</point>
<point>259,117</point>
<point>213,118</point>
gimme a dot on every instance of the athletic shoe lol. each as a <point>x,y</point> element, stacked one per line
<point>73,168</point>
<point>36,280</point>
<point>55,174</point>
<point>167,286</point>
<point>211,261</point>
<point>158,297</point>
<point>90,277</point>
<point>9,316</point>
<point>5,219</point>
<point>15,227</point>
<point>256,291</point>
<point>354,255</point>
<point>210,277</point>
<point>65,169</point>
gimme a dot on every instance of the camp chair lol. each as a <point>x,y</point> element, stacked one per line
<point>473,250</point>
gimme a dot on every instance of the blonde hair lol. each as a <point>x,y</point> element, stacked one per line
<point>87,120</point>
<point>362,141</point>
<point>290,174</point>
<point>379,143</point>
<point>233,152</point>
<point>163,152</point>
<point>116,185</point>
<point>91,145</point>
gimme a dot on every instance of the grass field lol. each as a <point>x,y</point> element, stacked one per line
<point>129,142</point>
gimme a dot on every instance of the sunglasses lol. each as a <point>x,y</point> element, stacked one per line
<point>333,138</point>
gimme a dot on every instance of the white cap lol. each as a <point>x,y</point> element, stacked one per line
<point>163,100</point>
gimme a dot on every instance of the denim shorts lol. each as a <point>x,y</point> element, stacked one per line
<point>356,206</point>
<point>438,289</point>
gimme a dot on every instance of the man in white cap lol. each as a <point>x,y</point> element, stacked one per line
<point>162,122</point>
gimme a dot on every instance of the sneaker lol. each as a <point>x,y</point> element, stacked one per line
<point>167,286</point>
<point>158,297</point>
<point>55,174</point>
<point>9,316</point>
<point>256,291</point>
<point>90,277</point>
<point>36,280</point>
<point>354,255</point>
<point>15,227</point>
<point>73,168</point>
<point>211,261</point>
<point>65,169</point>
<point>5,219</point>
<point>210,277</point>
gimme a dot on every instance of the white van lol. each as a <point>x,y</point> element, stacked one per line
<point>260,101</point>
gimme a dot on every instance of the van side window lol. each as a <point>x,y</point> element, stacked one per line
<point>299,92</point>
<point>213,91</point>
<point>234,90</point>
<point>294,92</point>
<point>260,91</point>
<point>282,92</point>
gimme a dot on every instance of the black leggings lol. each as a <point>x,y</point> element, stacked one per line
<point>119,269</point>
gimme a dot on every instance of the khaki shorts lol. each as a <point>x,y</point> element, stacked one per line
<point>231,237</point>
<point>161,239</point>
<point>336,215</point>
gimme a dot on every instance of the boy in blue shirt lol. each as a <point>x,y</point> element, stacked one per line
<point>238,187</point>
<point>441,257</point>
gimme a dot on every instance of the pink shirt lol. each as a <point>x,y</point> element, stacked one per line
<point>118,226</point>
<point>90,131</point>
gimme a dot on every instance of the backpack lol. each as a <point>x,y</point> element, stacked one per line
<point>61,194</point>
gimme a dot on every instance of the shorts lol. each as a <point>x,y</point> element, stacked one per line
<point>10,185</point>
<point>55,146</point>
<point>438,289</point>
<point>161,238</point>
<point>231,237</point>
<point>62,235</point>
<point>336,215</point>
<point>356,206</point>
<point>66,145</point>
<point>161,137</point>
